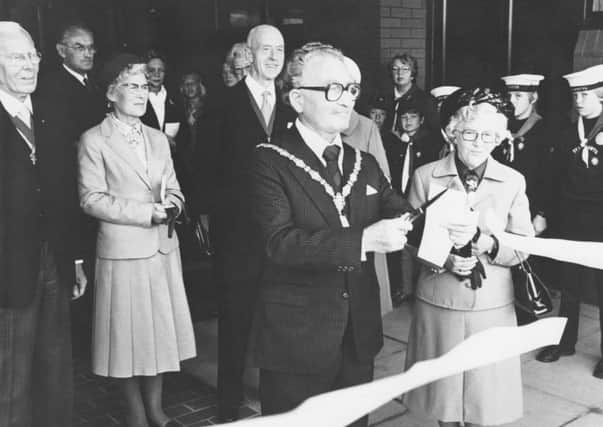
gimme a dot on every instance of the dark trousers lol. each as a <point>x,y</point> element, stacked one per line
<point>236,305</point>
<point>574,279</point>
<point>283,391</point>
<point>36,378</point>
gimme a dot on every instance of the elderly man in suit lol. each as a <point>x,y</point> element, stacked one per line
<point>252,112</point>
<point>319,205</point>
<point>77,105</point>
<point>38,250</point>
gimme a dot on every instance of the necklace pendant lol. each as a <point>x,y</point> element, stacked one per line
<point>344,221</point>
<point>339,202</point>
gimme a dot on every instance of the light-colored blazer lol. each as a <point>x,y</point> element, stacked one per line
<point>502,192</point>
<point>115,188</point>
<point>362,133</point>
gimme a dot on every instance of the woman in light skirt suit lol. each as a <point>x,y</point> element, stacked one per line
<point>141,323</point>
<point>450,305</point>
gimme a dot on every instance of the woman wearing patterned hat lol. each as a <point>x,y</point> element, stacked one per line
<point>460,300</point>
<point>141,322</point>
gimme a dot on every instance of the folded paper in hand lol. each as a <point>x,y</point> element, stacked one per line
<point>435,243</point>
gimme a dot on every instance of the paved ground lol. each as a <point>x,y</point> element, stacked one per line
<point>555,395</point>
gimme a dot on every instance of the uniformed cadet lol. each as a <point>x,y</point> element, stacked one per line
<point>441,94</point>
<point>529,151</point>
<point>578,163</point>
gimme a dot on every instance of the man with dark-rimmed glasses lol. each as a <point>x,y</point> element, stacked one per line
<point>319,205</point>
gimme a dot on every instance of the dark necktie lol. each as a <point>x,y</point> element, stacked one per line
<point>331,156</point>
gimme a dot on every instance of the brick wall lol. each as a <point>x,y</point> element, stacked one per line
<point>403,29</point>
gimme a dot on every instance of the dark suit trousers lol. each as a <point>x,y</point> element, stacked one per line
<point>236,304</point>
<point>574,278</point>
<point>283,391</point>
<point>36,378</point>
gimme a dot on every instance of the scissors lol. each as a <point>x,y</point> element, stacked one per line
<point>417,213</point>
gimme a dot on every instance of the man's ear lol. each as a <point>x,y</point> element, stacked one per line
<point>296,100</point>
<point>534,98</point>
<point>61,50</point>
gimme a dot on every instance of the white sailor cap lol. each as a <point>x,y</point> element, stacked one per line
<point>442,92</point>
<point>523,82</point>
<point>587,79</point>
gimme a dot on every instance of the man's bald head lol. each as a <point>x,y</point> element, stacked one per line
<point>19,60</point>
<point>268,49</point>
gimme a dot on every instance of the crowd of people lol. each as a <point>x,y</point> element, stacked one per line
<point>308,204</point>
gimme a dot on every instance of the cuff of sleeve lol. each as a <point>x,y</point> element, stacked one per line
<point>494,251</point>
<point>78,261</point>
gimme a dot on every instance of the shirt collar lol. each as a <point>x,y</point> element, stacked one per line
<point>257,89</point>
<point>463,170</point>
<point>80,78</point>
<point>14,106</point>
<point>317,143</point>
<point>162,94</point>
<point>124,128</point>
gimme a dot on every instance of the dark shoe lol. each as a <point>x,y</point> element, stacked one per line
<point>552,353</point>
<point>227,414</point>
<point>400,297</point>
<point>598,372</point>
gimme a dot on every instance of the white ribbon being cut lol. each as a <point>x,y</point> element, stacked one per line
<point>588,254</point>
<point>341,407</point>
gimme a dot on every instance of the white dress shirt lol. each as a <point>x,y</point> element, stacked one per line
<point>318,144</point>
<point>21,109</point>
<point>257,91</point>
<point>157,100</point>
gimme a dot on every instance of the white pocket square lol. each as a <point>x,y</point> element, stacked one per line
<point>370,190</point>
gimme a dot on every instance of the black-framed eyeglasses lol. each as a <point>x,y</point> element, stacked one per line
<point>471,135</point>
<point>333,91</point>
<point>80,48</point>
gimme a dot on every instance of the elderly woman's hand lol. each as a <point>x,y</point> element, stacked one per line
<point>159,214</point>
<point>460,265</point>
<point>461,233</point>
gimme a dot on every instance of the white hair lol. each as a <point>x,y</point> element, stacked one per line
<point>353,69</point>
<point>10,29</point>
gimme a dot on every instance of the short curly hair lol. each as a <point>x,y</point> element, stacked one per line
<point>409,60</point>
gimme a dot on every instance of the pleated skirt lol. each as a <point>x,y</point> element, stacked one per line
<point>490,395</point>
<point>142,324</point>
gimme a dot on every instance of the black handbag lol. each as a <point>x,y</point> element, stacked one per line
<point>531,294</point>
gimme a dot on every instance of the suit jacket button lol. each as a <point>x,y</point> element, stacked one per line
<point>345,295</point>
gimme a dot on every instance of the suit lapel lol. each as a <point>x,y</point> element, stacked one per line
<point>295,145</point>
<point>357,198</point>
<point>119,146</point>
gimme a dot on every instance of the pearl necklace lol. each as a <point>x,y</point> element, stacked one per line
<point>338,198</point>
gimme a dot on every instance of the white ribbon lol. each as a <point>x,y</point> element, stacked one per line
<point>340,408</point>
